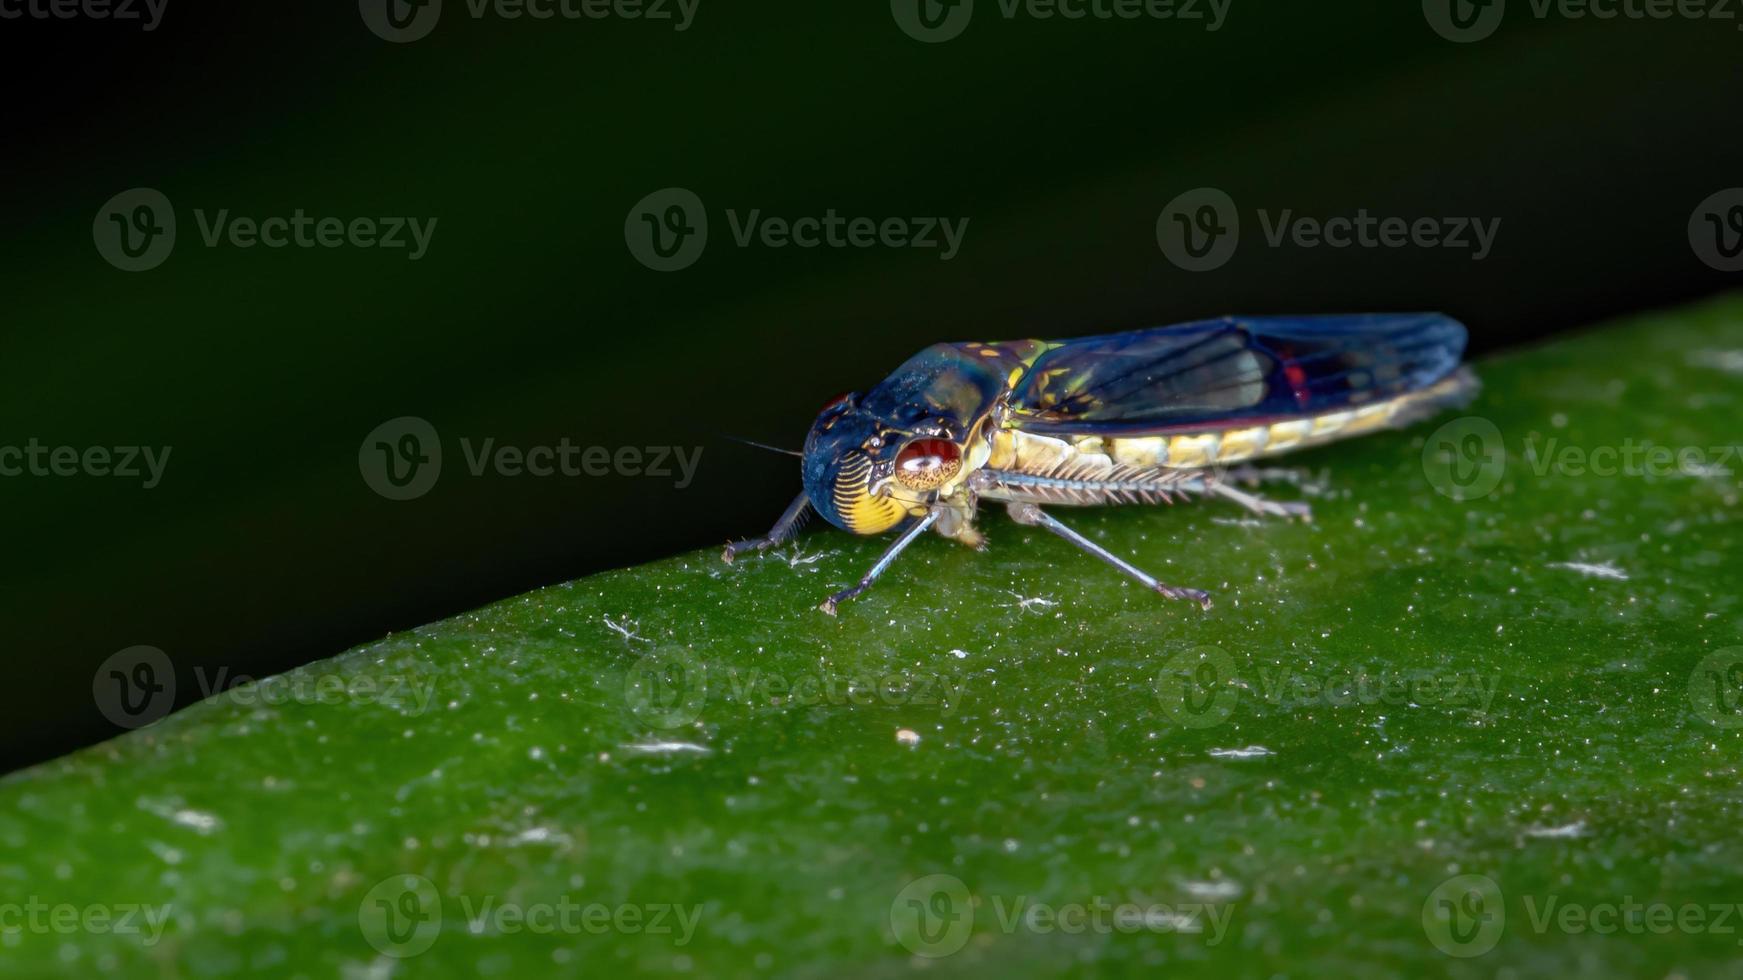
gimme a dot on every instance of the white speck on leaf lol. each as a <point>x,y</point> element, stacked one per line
<point>1028,604</point>
<point>1250,752</point>
<point>1575,829</point>
<point>625,629</point>
<point>1730,361</point>
<point>666,748</point>
<point>1606,570</point>
<point>198,821</point>
<point>1223,890</point>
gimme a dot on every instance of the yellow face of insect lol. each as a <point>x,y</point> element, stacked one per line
<point>867,476</point>
<point>861,510</point>
<point>874,497</point>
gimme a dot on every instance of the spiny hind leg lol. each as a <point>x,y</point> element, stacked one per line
<point>1252,476</point>
<point>1259,505</point>
<point>1025,513</point>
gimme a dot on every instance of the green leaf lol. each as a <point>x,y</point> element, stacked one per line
<point>1487,698</point>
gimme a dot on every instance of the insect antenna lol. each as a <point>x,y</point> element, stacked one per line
<point>760,445</point>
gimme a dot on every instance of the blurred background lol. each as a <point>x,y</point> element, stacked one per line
<point>536,154</point>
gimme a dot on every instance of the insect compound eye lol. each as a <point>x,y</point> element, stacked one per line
<point>926,464</point>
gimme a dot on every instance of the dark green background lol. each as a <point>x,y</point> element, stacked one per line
<point>529,321</point>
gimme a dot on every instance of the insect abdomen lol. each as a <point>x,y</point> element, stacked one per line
<point>1028,453</point>
<point>1049,470</point>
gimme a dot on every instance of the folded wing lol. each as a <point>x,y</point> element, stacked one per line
<point>1206,374</point>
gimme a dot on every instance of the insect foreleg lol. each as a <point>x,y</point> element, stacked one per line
<point>1026,513</point>
<point>914,530</point>
<point>791,520</point>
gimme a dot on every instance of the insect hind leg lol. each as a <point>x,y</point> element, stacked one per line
<point>1033,516</point>
<point>1260,505</point>
<point>1253,476</point>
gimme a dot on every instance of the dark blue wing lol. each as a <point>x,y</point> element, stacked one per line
<point>1208,373</point>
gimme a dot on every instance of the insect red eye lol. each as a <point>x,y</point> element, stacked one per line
<point>926,464</point>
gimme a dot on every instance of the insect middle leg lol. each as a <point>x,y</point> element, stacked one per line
<point>1025,513</point>
<point>791,520</point>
